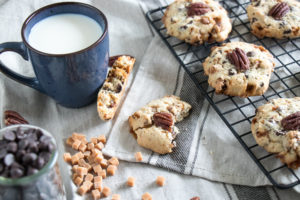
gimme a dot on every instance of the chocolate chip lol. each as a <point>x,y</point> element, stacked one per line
<point>3,152</point>
<point>190,22</point>
<point>12,147</point>
<point>3,144</point>
<point>231,72</point>
<point>40,162</point>
<point>32,170</point>
<point>287,31</point>
<point>119,88</point>
<point>22,144</point>
<point>20,154</point>
<point>1,167</point>
<point>44,138</point>
<point>247,76</point>
<point>9,136</point>
<point>45,155</point>
<point>33,147</point>
<point>9,159</point>
<point>253,20</point>
<point>251,54</point>
<point>29,158</point>
<point>51,147</point>
<point>183,27</point>
<point>16,172</point>
<point>20,135</point>
<point>262,84</point>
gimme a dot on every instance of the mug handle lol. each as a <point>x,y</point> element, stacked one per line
<point>19,48</point>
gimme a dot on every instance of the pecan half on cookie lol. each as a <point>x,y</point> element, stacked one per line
<point>198,9</point>
<point>279,10</point>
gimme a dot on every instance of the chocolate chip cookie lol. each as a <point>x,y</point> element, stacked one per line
<point>276,128</point>
<point>153,125</point>
<point>197,21</point>
<point>239,69</point>
<point>275,18</point>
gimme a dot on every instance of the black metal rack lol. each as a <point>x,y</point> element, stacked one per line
<point>285,82</point>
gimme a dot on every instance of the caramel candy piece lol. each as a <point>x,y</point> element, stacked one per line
<point>98,179</point>
<point>104,163</point>
<point>74,159</point>
<point>113,161</point>
<point>106,191</point>
<point>160,181</point>
<point>116,197</point>
<point>99,146</point>
<point>69,141</point>
<point>76,144</point>
<point>82,163</point>
<point>86,154</point>
<point>81,171</point>
<point>130,181</point>
<point>98,186</point>
<point>96,194</point>
<point>78,180</point>
<point>67,157</point>
<point>96,152</point>
<point>94,140</point>
<point>111,170</point>
<point>82,147</point>
<point>74,168</point>
<point>97,169</point>
<point>89,177</point>
<point>138,156</point>
<point>102,138</point>
<point>78,136</point>
<point>82,190</point>
<point>80,155</point>
<point>90,146</point>
<point>103,173</point>
<point>98,158</point>
<point>146,196</point>
<point>88,184</point>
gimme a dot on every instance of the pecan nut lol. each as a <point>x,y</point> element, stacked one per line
<point>197,9</point>
<point>163,120</point>
<point>239,59</point>
<point>291,122</point>
<point>279,10</point>
<point>12,118</point>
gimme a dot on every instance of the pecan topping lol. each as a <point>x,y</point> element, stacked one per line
<point>291,122</point>
<point>12,118</point>
<point>164,120</point>
<point>239,59</point>
<point>279,10</point>
<point>198,9</point>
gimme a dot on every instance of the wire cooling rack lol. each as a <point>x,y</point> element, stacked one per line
<point>236,112</point>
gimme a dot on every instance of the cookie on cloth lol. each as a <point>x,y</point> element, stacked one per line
<point>197,21</point>
<point>275,18</point>
<point>153,125</point>
<point>239,69</point>
<point>276,128</point>
<point>113,88</point>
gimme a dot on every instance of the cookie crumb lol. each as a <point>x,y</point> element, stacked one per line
<point>138,156</point>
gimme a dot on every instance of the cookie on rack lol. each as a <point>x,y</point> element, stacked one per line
<point>154,124</point>
<point>197,21</point>
<point>113,88</point>
<point>274,18</point>
<point>239,69</point>
<point>276,128</point>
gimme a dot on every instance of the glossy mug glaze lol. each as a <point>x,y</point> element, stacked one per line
<point>71,79</point>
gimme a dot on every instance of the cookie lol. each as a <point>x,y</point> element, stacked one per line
<point>197,21</point>
<point>153,125</point>
<point>239,69</point>
<point>276,128</point>
<point>113,88</point>
<point>275,18</point>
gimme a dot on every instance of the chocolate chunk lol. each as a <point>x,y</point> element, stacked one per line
<point>183,27</point>
<point>9,159</point>
<point>3,153</point>
<point>40,162</point>
<point>20,154</point>
<point>254,20</point>
<point>20,135</point>
<point>33,147</point>
<point>250,53</point>
<point>119,88</point>
<point>44,138</point>
<point>9,136</point>
<point>22,144</point>
<point>45,155</point>
<point>16,172</point>
<point>231,72</point>
<point>51,147</point>
<point>262,84</point>
<point>29,158</point>
<point>12,147</point>
<point>32,170</point>
<point>287,31</point>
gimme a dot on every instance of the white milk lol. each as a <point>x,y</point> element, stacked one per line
<point>64,33</point>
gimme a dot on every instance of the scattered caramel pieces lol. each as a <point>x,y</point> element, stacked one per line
<point>89,166</point>
<point>138,156</point>
<point>106,191</point>
<point>113,161</point>
<point>195,198</point>
<point>116,197</point>
<point>146,196</point>
<point>96,194</point>
<point>102,138</point>
<point>160,180</point>
<point>67,157</point>
<point>111,170</point>
<point>130,181</point>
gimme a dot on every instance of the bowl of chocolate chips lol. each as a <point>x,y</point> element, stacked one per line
<point>28,164</point>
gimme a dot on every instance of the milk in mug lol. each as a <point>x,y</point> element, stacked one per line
<point>64,33</point>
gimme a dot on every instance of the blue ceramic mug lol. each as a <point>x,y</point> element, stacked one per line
<point>72,79</point>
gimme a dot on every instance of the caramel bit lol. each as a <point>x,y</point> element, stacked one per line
<point>146,196</point>
<point>115,197</point>
<point>138,156</point>
<point>130,181</point>
<point>160,181</point>
<point>89,166</point>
